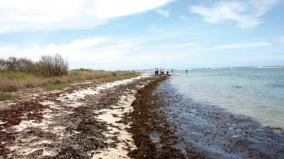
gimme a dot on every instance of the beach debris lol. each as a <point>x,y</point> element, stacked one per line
<point>64,124</point>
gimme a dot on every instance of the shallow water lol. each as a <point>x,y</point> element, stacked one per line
<point>227,113</point>
<point>254,92</point>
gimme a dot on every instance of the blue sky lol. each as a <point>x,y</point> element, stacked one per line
<point>128,34</point>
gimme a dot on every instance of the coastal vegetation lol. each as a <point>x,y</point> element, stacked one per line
<point>7,96</point>
<point>49,73</point>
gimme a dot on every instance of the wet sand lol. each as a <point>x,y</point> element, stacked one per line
<point>215,133</point>
<point>153,135</point>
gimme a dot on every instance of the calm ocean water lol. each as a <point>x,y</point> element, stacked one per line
<point>254,92</point>
<point>227,113</point>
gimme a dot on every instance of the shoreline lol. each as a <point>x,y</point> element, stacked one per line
<point>216,133</point>
<point>153,134</point>
<point>122,119</point>
<point>90,119</point>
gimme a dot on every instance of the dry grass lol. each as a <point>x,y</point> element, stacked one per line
<point>50,72</point>
<point>82,74</point>
<point>13,81</point>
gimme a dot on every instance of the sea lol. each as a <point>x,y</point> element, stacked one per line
<point>254,92</point>
<point>227,112</point>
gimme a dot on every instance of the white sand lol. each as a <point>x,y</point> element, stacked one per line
<point>31,123</point>
<point>2,122</point>
<point>112,117</point>
<point>24,146</point>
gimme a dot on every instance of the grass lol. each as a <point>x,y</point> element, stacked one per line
<point>57,86</point>
<point>13,81</point>
<point>50,72</point>
<point>119,76</point>
<point>96,76</point>
<point>15,75</point>
<point>6,96</point>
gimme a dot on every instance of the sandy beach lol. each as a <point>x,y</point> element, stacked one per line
<point>121,79</point>
<point>87,121</point>
<point>140,117</point>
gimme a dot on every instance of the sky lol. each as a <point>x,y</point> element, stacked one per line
<point>142,34</point>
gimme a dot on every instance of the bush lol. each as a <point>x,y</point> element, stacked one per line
<point>11,64</point>
<point>25,65</point>
<point>2,64</point>
<point>19,73</point>
<point>46,66</point>
<point>17,65</point>
<point>53,66</point>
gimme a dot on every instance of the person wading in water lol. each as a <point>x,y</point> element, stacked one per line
<point>156,71</point>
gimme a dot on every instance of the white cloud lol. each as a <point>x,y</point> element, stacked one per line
<point>103,52</point>
<point>183,17</point>
<point>97,50</point>
<point>164,12</point>
<point>123,53</point>
<point>237,46</point>
<point>113,8</point>
<point>245,13</point>
<point>279,39</point>
<point>155,28</point>
<point>186,44</point>
<point>27,15</point>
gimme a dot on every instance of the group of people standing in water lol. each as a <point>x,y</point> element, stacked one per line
<point>165,72</point>
<point>161,72</point>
